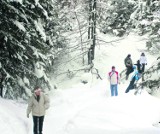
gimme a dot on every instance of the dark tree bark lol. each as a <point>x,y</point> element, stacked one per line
<point>1,84</point>
<point>92,29</point>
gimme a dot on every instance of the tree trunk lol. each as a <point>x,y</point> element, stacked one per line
<point>92,29</point>
<point>1,85</point>
<point>89,31</point>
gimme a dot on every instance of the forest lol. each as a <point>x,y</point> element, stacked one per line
<point>34,37</point>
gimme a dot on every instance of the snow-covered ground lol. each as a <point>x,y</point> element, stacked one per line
<point>78,108</point>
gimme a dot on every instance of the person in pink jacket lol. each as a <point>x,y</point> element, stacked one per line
<point>113,78</point>
<point>38,104</point>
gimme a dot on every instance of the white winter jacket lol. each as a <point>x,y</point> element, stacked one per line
<point>38,108</point>
<point>143,60</point>
<point>113,77</point>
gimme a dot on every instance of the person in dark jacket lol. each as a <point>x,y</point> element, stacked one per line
<point>138,66</point>
<point>128,64</point>
<point>135,77</point>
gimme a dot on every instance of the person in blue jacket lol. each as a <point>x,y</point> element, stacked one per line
<point>135,77</point>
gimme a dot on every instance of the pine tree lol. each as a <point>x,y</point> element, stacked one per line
<point>114,15</point>
<point>26,45</point>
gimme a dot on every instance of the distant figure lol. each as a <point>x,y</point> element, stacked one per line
<point>113,78</point>
<point>128,64</point>
<point>135,77</point>
<point>143,61</point>
<point>139,66</point>
<point>38,104</point>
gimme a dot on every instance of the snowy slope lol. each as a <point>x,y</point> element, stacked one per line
<point>12,117</point>
<point>109,54</point>
<point>88,108</point>
<point>89,111</point>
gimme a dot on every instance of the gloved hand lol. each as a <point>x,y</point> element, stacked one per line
<point>146,63</point>
<point>27,115</point>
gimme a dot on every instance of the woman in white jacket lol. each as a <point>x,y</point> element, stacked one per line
<point>143,61</point>
<point>38,104</point>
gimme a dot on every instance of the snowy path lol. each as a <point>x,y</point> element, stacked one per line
<point>13,118</point>
<point>85,110</point>
<point>89,109</point>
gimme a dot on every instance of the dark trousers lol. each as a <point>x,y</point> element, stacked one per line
<point>131,86</point>
<point>38,124</point>
<point>143,67</point>
<point>129,70</point>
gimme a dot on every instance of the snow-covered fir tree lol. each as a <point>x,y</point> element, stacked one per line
<point>27,31</point>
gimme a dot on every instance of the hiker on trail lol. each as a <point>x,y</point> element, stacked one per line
<point>143,61</point>
<point>139,66</point>
<point>113,78</point>
<point>135,78</point>
<point>128,64</point>
<point>38,104</point>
